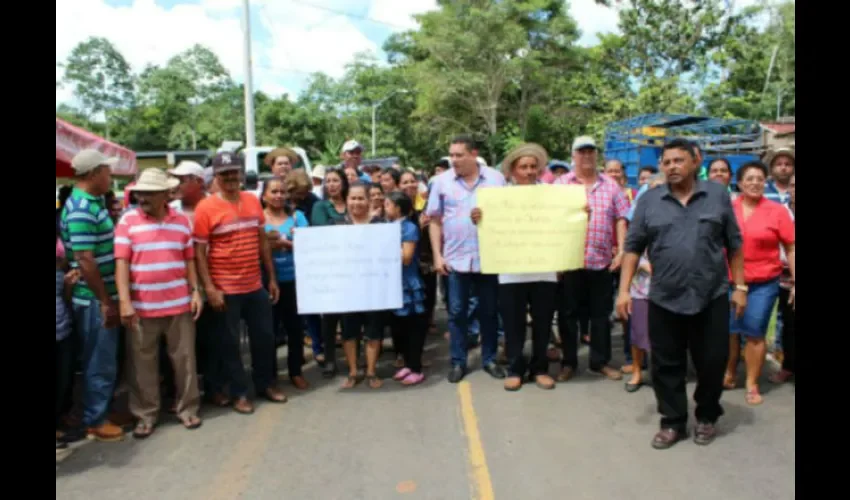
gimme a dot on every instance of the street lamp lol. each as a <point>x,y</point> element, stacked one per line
<point>375,114</point>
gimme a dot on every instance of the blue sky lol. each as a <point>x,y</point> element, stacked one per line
<point>290,38</point>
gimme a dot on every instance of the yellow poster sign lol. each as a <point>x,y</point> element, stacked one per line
<point>532,229</point>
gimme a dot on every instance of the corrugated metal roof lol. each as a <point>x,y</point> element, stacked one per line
<point>779,128</point>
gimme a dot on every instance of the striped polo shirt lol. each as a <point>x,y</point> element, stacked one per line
<point>85,226</point>
<point>157,251</point>
<point>232,233</point>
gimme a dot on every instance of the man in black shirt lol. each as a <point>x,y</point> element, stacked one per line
<point>688,228</point>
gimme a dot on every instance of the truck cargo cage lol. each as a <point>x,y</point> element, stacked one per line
<point>637,141</point>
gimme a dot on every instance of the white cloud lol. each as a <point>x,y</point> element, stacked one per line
<point>303,39</point>
<point>399,15</point>
<point>593,19</point>
<point>299,38</point>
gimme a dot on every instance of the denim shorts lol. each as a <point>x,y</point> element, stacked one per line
<point>760,301</point>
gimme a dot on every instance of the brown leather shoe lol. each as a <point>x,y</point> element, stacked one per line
<point>544,381</point>
<point>107,432</point>
<point>243,406</point>
<point>665,438</point>
<point>566,373</point>
<point>513,383</point>
<point>704,433</point>
<point>300,383</point>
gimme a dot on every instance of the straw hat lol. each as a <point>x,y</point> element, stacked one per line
<point>527,149</point>
<point>276,152</point>
<point>773,155</point>
<point>153,180</point>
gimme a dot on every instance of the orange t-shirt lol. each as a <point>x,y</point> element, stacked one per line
<point>768,227</point>
<point>231,231</point>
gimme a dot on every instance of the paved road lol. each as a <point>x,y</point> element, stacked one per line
<point>587,439</point>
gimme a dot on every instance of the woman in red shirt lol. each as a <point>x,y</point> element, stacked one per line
<point>765,225</point>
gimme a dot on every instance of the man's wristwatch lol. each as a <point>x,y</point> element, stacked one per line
<point>742,288</point>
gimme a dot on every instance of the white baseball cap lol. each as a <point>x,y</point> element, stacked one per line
<point>186,168</point>
<point>351,146</point>
<point>89,159</point>
<point>583,142</point>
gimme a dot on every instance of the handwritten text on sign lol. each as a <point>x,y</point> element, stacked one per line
<point>348,268</point>
<point>532,229</point>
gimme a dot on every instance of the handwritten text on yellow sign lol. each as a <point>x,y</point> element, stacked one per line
<point>532,229</point>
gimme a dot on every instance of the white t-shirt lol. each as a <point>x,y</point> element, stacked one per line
<point>509,279</point>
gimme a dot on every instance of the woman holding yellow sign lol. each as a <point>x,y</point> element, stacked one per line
<point>518,292</point>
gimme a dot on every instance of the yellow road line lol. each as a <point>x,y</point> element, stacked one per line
<point>477,460</point>
<point>235,472</point>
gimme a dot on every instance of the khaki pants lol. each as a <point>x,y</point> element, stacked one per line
<point>143,366</point>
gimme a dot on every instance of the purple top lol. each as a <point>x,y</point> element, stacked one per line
<point>452,201</point>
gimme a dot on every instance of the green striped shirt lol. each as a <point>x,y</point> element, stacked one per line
<point>86,226</point>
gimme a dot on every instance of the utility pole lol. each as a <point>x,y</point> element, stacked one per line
<point>250,140</point>
<point>375,115</point>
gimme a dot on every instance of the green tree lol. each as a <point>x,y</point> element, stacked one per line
<point>100,77</point>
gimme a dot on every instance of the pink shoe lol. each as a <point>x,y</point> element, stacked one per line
<point>401,374</point>
<point>413,379</point>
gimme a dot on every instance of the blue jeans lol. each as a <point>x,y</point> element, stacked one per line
<point>460,287</point>
<point>99,362</point>
<point>313,325</point>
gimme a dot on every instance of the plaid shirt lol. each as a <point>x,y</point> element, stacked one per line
<point>608,204</point>
<point>452,200</point>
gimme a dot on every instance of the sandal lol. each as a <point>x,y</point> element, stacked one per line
<point>142,430</point>
<point>753,397</point>
<point>192,422</point>
<point>243,406</point>
<point>350,382</point>
<point>275,395</point>
<point>374,381</point>
<point>413,379</point>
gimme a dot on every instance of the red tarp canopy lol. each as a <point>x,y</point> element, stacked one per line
<point>70,140</point>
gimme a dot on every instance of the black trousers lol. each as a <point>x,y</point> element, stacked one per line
<point>329,326</point>
<point>430,280</point>
<point>596,288</point>
<point>706,336</point>
<point>789,332</point>
<point>410,331</point>
<point>256,310</point>
<point>285,317</point>
<point>514,301</point>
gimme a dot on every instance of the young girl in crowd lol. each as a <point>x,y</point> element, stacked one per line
<point>390,179</point>
<point>368,322</point>
<point>281,221</point>
<point>639,333</point>
<point>409,324</point>
<point>376,201</point>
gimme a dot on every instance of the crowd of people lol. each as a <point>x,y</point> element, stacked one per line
<point>153,296</point>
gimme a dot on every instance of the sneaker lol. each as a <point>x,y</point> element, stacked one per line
<point>402,374</point>
<point>107,432</point>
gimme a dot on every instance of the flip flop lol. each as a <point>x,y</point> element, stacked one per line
<point>142,431</point>
<point>192,422</point>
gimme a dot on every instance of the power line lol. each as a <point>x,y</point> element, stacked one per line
<point>348,14</point>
